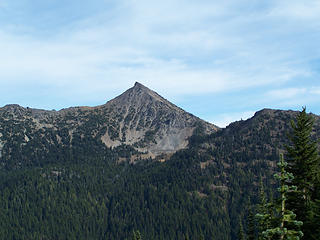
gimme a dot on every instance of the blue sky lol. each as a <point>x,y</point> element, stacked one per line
<point>220,60</point>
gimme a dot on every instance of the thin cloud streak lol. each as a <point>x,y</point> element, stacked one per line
<point>286,93</point>
<point>204,48</point>
<point>315,90</point>
<point>300,10</point>
<point>223,120</point>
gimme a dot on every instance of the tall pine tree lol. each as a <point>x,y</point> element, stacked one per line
<point>286,228</point>
<point>241,235</point>
<point>304,163</point>
<point>265,212</point>
<point>251,225</point>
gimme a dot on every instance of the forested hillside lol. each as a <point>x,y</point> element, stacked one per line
<point>86,190</point>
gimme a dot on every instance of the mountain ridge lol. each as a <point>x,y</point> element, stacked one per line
<point>139,117</point>
<point>60,180</point>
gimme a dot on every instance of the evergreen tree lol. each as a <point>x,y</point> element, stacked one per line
<point>265,213</point>
<point>313,220</point>
<point>241,235</point>
<point>251,226</point>
<point>304,164</point>
<point>136,235</point>
<point>287,224</point>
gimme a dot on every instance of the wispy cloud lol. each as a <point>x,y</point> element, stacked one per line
<point>223,120</point>
<point>205,47</point>
<point>293,97</point>
<point>315,90</point>
<point>287,93</point>
<point>301,10</point>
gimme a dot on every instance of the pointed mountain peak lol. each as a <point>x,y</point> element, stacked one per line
<point>138,95</point>
<point>139,85</point>
<point>150,122</point>
<point>140,88</point>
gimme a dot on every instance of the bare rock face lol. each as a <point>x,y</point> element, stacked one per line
<point>151,123</point>
<point>139,117</point>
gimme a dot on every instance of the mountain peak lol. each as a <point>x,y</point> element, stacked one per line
<point>139,85</point>
<point>137,95</point>
<point>139,117</point>
<point>150,122</point>
<point>141,89</point>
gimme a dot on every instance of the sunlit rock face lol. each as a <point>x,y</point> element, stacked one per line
<point>139,117</point>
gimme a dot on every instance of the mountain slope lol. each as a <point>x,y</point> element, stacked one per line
<point>237,157</point>
<point>150,122</point>
<point>81,191</point>
<point>139,118</point>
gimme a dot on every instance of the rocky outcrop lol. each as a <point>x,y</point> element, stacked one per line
<point>151,123</point>
<point>139,117</point>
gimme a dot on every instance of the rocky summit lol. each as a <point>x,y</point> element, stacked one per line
<point>149,122</point>
<point>139,118</point>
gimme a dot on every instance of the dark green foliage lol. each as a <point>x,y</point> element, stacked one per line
<point>314,219</point>
<point>251,226</point>
<point>265,213</point>
<point>299,188</point>
<point>73,187</point>
<point>106,200</point>
<point>304,163</point>
<point>136,235</point>
<point>286,219</point>
<point>241,235</point>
